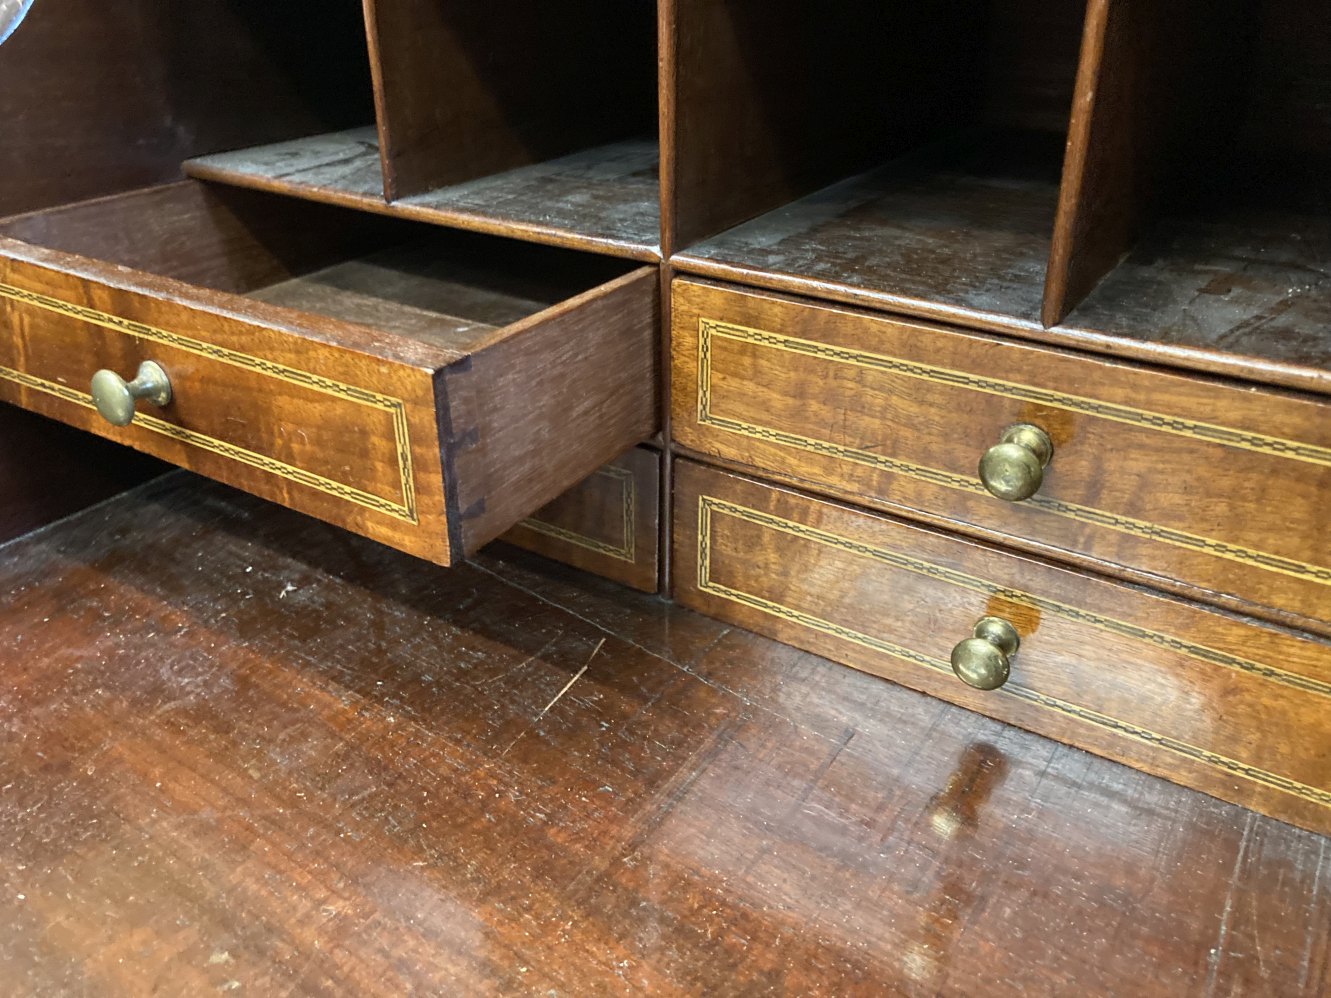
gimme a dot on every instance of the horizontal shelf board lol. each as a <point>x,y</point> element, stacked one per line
<point>944,234</point>
<point>604,199</point>
<point>1254,287</point>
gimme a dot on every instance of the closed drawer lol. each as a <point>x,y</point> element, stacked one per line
<point>1209,488</point>
<point>607,524</point>
<point>1219,703</point>
<point>426,389</point>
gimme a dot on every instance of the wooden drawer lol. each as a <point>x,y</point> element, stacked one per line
<point>1213,489</point>
<point>1232,707</point>
<point>426,389</point>
<point>607,524</point>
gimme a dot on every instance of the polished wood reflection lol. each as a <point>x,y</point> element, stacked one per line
<point>246,751</point>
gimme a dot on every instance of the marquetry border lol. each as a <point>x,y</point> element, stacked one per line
<point>709,328</point>
<point>708,505</point>
<point>394,407</point>
<point>628,550</point>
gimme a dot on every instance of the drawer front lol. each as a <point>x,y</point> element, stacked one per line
<point>1233,708</point>
<point>346,437</point>
<point>1202,486</point>
<point>607,524</point>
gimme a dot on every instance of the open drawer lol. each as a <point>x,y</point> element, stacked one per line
<point>423,388</point>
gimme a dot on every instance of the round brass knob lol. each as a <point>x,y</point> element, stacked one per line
<point>115,397</point>
<point>984,660</point>
<point>1013,469</point>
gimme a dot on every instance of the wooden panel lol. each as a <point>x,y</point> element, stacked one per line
<point>94,103</point>
<point>1229,707</point>
<point>1233,274</point>
<point>562,393</point>
<point>384,783</point>
<point>465,90</point>
<point>1209,488</point>
<point>48,471</point>
<point>323,428</point>
<point>606,524</point>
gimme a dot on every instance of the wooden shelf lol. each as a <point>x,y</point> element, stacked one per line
<point>604,199</point>
<point>957,233</point>
<point>1243,292</point>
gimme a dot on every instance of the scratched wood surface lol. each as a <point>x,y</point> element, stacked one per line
<point>958,232</point>
<point>603,199</point>
<point>252,753</point>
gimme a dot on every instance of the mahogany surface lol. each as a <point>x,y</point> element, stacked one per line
<point>95,101</point>
<point>262,755</point>
<point>1129,97</point>
<point>765,101</point>
<point>958,232</point>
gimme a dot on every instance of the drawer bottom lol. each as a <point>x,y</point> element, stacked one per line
<point>1228,706</point>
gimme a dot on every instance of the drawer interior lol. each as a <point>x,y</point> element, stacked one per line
<point>448,289</point>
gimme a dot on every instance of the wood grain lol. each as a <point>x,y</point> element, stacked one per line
<point>607,524</point>
<point>1203,487</point>
<point>535,412</point>
<point>265,755</point>
<point>1241,290</point>
<point>1197,182</point>
<point>773,100</point>
<point>1211,701</point>
<point>603,199</point>
<point>764,103</point>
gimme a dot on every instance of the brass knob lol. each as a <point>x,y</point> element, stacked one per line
<point>115,397</point>
<point>1013,469</point>
<point>983,661</point>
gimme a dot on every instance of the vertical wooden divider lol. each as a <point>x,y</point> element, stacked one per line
<point>667,75</point>
<point>1124,133</point>
<point>437,123</point>
<point>667,55</point>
